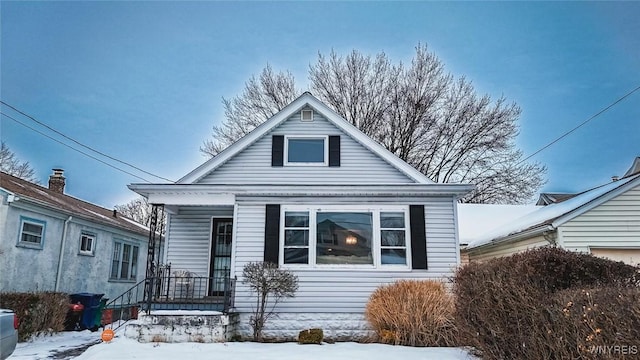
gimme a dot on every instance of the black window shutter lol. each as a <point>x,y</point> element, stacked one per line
<point>272,233</point>
<point>418,237</point>
<point>277,150</point>
<point>334,150</point>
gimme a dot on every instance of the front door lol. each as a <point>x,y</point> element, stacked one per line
<point>220,265</point>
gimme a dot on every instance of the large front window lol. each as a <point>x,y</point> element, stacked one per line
<point>344,238</point>
<point>349,237</point>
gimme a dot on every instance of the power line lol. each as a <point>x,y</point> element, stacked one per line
<point>81,144</point>
<point>579,126</point>
<point>72,148</point>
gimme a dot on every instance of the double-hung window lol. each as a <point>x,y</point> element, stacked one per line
<point>124,261</point>
<point>31,233</point>
<point>345,237</point>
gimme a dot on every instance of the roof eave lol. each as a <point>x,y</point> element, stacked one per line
<point>455,190</point>
<point>50,207</point>
<point>521,235</point>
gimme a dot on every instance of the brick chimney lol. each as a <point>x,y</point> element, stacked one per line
<point>56,181</point>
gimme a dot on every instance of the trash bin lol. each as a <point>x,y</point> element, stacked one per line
<point>74,315</point>
<point>97,321</point>
<point>91,304</point>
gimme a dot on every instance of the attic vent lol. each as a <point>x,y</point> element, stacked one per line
<point>306,115</point>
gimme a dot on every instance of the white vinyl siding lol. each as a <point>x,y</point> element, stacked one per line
<point>344,290</point>
<point>189,237</point>
<point>358,165</point>
<point>614,224</point>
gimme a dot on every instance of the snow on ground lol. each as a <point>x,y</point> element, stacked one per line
<point>43,347</point>
<point>124,348</point>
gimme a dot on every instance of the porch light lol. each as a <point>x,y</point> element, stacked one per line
<point>351,240</point>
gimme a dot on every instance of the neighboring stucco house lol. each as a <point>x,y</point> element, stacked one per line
<point>50,241</point>
<point>604,221</point>
<point>310,192</point>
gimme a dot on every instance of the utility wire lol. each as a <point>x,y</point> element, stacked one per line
<point>81,144</point>
<point>72,148</point>
<point>579,126</point>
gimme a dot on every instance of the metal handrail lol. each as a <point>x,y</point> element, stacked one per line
<point>183,292</point>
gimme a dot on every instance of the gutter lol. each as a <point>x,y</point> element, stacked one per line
<point>540,230</point>
<point>61,256</point>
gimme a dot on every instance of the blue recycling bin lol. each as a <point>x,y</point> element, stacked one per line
<point>91,304</point>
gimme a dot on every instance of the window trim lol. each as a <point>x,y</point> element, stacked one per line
<point>324,138</point>
<point>375,244</point>
<point>93,237</point>
<point>28,244</point>
<point>130,263</point>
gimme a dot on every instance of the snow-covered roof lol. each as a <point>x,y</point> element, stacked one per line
<point>477,219</point>
<point>554,215</point>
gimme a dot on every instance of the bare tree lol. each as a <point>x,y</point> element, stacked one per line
<point>140,210</point>
<point>10,164</point>
<point>435,122</point>
<point>260,99</point>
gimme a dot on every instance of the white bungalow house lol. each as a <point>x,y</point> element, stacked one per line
<point>50,241</point>
<point>308,191</point>
<point>604,221</point>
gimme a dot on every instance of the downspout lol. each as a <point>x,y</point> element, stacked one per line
<point>64,240</point>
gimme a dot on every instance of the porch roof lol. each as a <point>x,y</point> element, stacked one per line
<point>207,194</point>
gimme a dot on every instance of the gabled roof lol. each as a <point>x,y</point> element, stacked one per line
<point>303,100</point>
<point>635,167</point>
<point>23,190</point>
<point>551,216</point>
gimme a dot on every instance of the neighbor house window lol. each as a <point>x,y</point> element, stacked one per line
<point>124,261</point>
<point>31,233</point>
<point>348,237</point>
<point>87,243</point>
<point>306,150</point>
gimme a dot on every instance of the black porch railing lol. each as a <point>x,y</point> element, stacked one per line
<point>181,290</point>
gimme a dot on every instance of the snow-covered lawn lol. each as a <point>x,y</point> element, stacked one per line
<point>123,348</point>
<point>43,347</point>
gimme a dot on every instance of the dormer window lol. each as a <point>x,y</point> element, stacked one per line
<point>303,150</point>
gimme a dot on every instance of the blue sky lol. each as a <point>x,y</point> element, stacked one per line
<point>143,81</point>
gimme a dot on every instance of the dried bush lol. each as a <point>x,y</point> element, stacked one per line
<point>597,323</point>
<point>311,336</point>
<point>270,285</point>
<point>513,307</point>
<point>412,312</point>
<point>38,312</point>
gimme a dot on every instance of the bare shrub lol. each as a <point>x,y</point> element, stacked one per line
<point>270,285</point>
<point>38,312</point>
<point>540,305</point>
<point>412,312</point>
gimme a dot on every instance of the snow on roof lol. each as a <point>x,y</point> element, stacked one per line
<point>478,219</point>
<point>547,214</point>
